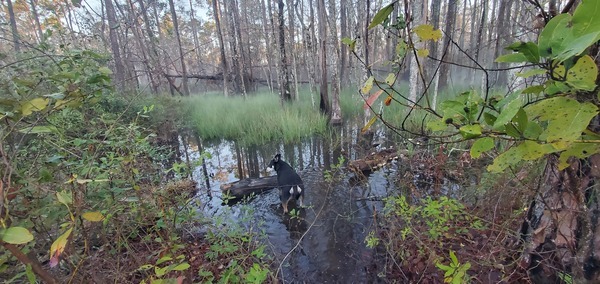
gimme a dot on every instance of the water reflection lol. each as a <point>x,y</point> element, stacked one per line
<point>324,243</point>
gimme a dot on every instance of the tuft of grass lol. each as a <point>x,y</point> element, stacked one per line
<point>253,120</point>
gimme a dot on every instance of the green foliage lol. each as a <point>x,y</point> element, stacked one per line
<point>455,272</point>
<point>253,120</point>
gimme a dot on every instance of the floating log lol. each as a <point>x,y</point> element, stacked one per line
<point>245,187</point>
<point>373,161</point>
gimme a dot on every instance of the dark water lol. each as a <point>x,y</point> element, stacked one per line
<point>326,243</point>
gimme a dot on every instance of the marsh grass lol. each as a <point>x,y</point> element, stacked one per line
<point>253,120</point>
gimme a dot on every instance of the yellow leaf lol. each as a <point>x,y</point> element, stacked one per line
<point>390,79</point>
<point>367,86</point>
<point>368,125</point>
<point>423,52</point>
<point>95,216</point>
<point>426,32</point>
<point>36,104</point>
<point>58,247</point>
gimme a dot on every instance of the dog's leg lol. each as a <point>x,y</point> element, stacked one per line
<point>301,198</point>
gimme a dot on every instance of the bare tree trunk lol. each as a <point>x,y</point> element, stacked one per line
<point>285,80</point>
<point>324,102</point>
<point>501,39</point>
<point>292,49</point>
<point>336,111</point>
<point>114,45</point>
<point>267,45</point>
<point>134,25</point>
<point>194,26</point>
<point>13,26</point>
<point>344,49</point>
<point>36,19</point>
<point>449,30</point>
<point>239,41</point>
<point>416,67</point>
<point>184,75</point>
<point>224,67</point>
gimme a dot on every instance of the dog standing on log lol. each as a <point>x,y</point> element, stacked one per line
<point>289,182</point>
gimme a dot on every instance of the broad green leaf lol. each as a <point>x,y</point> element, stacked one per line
<point>401,48</point>
<point>579,151</point>
<point>423,52</point>
<point>552,38</point>
<point>39,129</point>
<point>481,145</point>
<point>528,150</point>
<point>368,85</point>
<point>520,120</point>
<point>512,58</point>
<point>64,197</point>
<point>382,15</point>
<point>426,32</point>
<point>453,109</point>
<point>511,130</point>
<point>508,112</point>
<point>533,89</point>
<point>533,130</point>
<point>164,259</point>
<point>437,125</point>
<point>489,118</point>
<point>584,71</point>
<point>369,124</point>
<point>390,79</point>
<point>532,72</point>
<point>181,266</point>
<point>576,46</point>
<point>16,235</point>
<point>533,150</point>
<point>528,49</point>
<point>585,18</point>
<point>36,104</point>
<point>470,131</point>
<point>58,247</point>
<point>567,118</point>
<point>95,216</point>
<point>453,257</point>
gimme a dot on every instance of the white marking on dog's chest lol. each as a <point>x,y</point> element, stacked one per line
<point>299,189</point>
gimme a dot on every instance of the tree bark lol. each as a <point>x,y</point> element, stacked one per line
<point>113,25</point>
<point>449,30</point>
<point>265,24</point>
<point>344,49</point>
<point>184,80</point>
<point>336,110</point>
<point>284,91</point>
<point>224,67</point>
<point>36,19</point>
<point>13,26</point>
<point>292,49</point>
<point>324,106</point>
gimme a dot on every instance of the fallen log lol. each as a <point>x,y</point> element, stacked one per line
<point>245,187</point>
<point>373,161</point>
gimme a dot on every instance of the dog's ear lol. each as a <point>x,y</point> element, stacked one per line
<point>277,157</point>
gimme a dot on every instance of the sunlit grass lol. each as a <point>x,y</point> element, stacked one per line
<point>256,119</point>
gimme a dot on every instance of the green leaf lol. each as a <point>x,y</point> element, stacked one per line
<point>64,197</point>
<point>552,38</point>
<point>16,235</point>
<point>382,15</point>
<point>453,257</point>
<point>163,259</point>
<point>533,130</point>
<point>368,85</point>
<point>579,151</point>
<point>534,89</point>
<point>349,42</point>
<point>437,125</point>
<point>489,118</point>
<point>30,274</point>
<point>453,109</point>
<point>39,129</point>
<point>181,266</point>
<point>585,18</point>
<point>528,49</point>
<point>481,145</point>
<point>528,150</point>
<point>576,46</point>
<point>470,131</point>
<point>426,32</point>
<point>36,104</point>
<point>390,79</point>
<point>567,118</point>
<point>105,70</point>
<point>583,73</point>
<point>508,112</point>
<point>532,72</point>
<point>520,120</point>
<point>511,58</point>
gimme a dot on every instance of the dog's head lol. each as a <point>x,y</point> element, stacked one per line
<point>274,164</point>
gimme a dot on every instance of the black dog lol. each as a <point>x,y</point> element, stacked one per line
<point>290,183</point>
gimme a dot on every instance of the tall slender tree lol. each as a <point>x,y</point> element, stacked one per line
<point>224,66</point>
<point>184,75</point>
<point>285,80</point>
<point>324,104</point>
<point>113,26</point>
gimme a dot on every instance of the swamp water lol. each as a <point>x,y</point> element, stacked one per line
<point>326,242</point>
